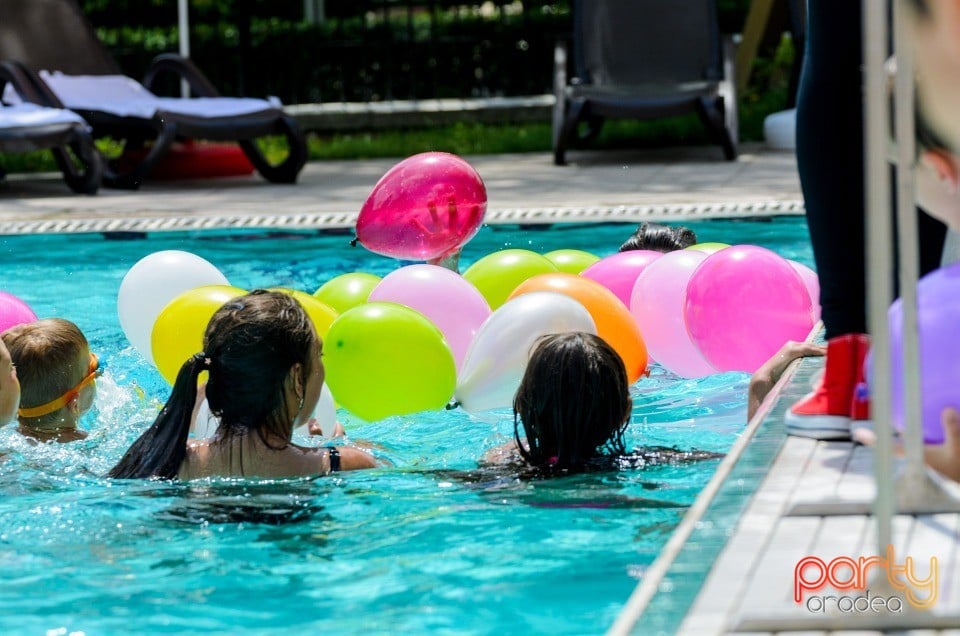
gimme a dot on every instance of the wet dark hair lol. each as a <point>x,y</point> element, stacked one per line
<point>572,403</point>
<point>249,347</point>
<point>660,238</point>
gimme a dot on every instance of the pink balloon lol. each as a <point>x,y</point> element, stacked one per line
<point>14,311</point>
<point>812,282</point>
<point>425,207</point>
<point>619,272</point>
<point>742,304</point>
<point>657,302</point>
<point>455,306</point>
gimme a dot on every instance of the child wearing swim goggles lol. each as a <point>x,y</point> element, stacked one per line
<point>57,376</point>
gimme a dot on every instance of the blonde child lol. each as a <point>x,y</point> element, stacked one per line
<point>57,376</point>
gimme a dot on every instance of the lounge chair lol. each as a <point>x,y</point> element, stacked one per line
<point>53,39</point>
<point>25,127</point>
<point>644,59</point>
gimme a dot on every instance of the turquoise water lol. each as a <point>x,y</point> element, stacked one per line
<point>429,544</point>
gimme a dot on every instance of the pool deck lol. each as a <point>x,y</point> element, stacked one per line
<point>813,500</point>
<point>671,183</point>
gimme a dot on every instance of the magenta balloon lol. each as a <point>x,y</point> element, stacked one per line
<point>656,301</point>
<point>455,306</point>
<point>425,207</point>
<point>619,272</point>
<point>812,282</point>
<point>938,305</point>
<point>14,311</point>
<point>742,304</point>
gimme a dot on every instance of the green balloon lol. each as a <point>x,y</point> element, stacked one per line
<point>497,275</point>
<point>347,290</point>
<point>386,359</point>
<point>571,261</point>
<point>708,248</point>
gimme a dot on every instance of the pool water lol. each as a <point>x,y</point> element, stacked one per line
<point>429,543</point>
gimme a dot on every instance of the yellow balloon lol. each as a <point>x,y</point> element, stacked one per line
<point>571,261</point>
<point>708,248</point>
<point>386,359</point>
<point>346,291</point>
<point>321,314</point>
<point>498,274</point>
<point>178,331</point>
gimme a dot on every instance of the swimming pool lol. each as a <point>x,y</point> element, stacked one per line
<point>429,544</point>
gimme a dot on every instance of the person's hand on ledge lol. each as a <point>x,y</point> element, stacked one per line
<point>763,380</point>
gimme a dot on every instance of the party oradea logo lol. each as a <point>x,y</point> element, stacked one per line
<point>814,579</point>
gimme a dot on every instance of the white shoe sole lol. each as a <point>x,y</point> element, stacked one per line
<point>828,427</point>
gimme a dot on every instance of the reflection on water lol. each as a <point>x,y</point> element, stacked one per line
<point>270,503</point>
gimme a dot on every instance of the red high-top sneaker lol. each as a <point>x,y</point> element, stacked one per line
<point>826,412</point>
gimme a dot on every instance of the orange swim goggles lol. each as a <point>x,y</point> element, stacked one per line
<point>54,405</point>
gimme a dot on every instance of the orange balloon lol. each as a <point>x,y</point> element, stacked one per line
<point>615,323</point>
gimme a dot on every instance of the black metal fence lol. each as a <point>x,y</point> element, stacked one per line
<point>362,50</point>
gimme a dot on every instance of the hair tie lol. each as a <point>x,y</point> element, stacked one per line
<point>202,358</point>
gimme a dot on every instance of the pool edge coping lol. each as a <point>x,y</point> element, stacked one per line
<point>646,590</point>
<point>346,220</point>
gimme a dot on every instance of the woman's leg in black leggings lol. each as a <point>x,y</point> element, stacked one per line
<point>830,160</point>
<point>830,163</point>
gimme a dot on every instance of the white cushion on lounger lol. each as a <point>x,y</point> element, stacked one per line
<point>30,115</point>
<point>122,96</point>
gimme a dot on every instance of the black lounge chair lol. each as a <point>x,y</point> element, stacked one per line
<point>53,36</point>
<point>26,127</point>
<point>644,59</point>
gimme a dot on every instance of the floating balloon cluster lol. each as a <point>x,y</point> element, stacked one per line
<point>424,335</point>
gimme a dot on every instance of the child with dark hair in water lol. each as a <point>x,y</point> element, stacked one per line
<point>573,407</point>
<point>573,402</point>
<point>659,238</point>
<point>265,375</point>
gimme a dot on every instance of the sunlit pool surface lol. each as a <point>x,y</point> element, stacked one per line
<point>428,544</point>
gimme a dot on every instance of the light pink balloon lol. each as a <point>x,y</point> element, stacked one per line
<point>619,272</point>
<point>812,282</point>
<point>657,302</point>
<point>450,302</point>
<point>14,311</point>
<point>425,207</point>
<point>742,304</point>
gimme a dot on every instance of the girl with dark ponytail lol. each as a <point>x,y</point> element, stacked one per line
<point>265,375</point>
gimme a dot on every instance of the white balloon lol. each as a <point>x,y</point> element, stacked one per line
<point>498,355</point>
<point>154,281</point>
<point>205,424</point>
<point>325,414</point>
